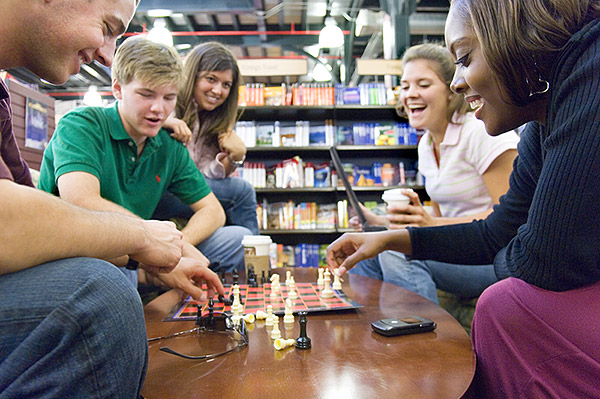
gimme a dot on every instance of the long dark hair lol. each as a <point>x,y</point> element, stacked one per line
<point>204,58</point>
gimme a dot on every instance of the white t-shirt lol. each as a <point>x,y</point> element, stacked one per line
<point>465,154</point>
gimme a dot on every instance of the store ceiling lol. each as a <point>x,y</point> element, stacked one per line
<point>269,28</point>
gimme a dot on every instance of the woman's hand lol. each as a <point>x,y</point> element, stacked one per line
<point>351,248</point>
<point>372,218</point>
<point>181,131</point>
<point>414,214</point>
<point>233,145</point>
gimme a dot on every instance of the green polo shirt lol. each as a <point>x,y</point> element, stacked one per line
<point>93,140</point>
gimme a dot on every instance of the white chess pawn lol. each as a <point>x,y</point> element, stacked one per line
<point>281,343</point>
<point>275,332</point>
<point>270,315</point>
<point>337,283</point>
<point>261,315</point>
<point>320,279</point>
<point>327,292</point>
<point>288,318</point>
<point>288,277</point>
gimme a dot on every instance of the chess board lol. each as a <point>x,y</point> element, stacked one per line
<point>257,298</point>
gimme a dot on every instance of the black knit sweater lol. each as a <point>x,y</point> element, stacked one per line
<point>546,229</point>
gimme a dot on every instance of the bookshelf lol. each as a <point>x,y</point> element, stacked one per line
<point>267,157</point>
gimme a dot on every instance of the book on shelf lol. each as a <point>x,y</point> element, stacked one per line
<point>301,255</point>
<point>288,215</point>
<point>315,94</point>
<point>303,133</point>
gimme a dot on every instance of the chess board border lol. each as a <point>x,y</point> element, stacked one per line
<point>257,298</point>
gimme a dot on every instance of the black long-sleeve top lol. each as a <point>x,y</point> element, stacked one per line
<point>546,229</point>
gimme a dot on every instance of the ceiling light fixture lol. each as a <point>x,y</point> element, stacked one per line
<point>92,98</point>
<point>160,34</point>
<point>331,35</point>
<point>159,12</point>
<point>321,72</point>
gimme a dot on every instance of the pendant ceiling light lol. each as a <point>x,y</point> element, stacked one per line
<point>160,34</point>
<point>331,35</point>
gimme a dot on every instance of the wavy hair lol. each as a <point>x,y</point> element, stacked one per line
<point>444,67</point>
<point>520,39</point>
<point>203,59</point>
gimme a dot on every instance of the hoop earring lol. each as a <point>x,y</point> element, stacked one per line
<point>546,87</point>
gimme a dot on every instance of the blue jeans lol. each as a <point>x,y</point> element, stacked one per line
<point>237,197</point>
<point>224,247</point>
<point>72,328</point>
<point>425,276</point>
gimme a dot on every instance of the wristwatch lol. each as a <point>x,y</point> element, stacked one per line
<point>132,264</point>
<point>237,163</point>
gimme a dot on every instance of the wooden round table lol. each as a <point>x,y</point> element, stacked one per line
<point>347,359</point>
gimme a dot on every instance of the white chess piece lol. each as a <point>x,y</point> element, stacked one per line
<point>337,283</point>
<point>327,292</point>
<point>270,315</point>
<point>292,294</point>
<point>237,315</point>
<point>275,285</point>
<point>288,277</point>
<point>275,278</point>
<point>320,279</point>
<point>275,332</point>
<point>237,303</point>
<point>261,315</point>
<point>281,343</point>
<point>288,318</point>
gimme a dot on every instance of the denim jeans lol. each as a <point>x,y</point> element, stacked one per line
<point>72,328</point>
<point>425,276</point>
<point>224,247</point>
<point>236,195</point>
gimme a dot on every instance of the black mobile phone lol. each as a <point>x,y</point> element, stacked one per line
<point>403,325</point>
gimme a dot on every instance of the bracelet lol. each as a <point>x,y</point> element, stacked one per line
<point>132,264</point>
<point>237,163</point>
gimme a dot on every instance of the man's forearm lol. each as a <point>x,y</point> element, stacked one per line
<point>202,224</point>
<point>38,227</point>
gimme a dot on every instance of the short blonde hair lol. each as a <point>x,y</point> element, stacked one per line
<point>442,64</point>
<point>138,58</point>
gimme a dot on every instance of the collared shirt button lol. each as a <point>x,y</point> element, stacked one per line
<point>132,159</point>
<point>130,143</point>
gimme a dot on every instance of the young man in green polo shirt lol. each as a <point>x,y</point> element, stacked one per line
<point>119,158</point>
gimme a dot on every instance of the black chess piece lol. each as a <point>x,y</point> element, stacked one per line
<point>198,315</point>
<point>211,308</point>
<point>236,277</point>
<point>222,277</point>
<point>303,342</point>
<point>263,279</point>
<point>249,274</point>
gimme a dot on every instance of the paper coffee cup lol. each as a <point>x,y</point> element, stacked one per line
<point>394,197</point>
<point>256,254</point>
